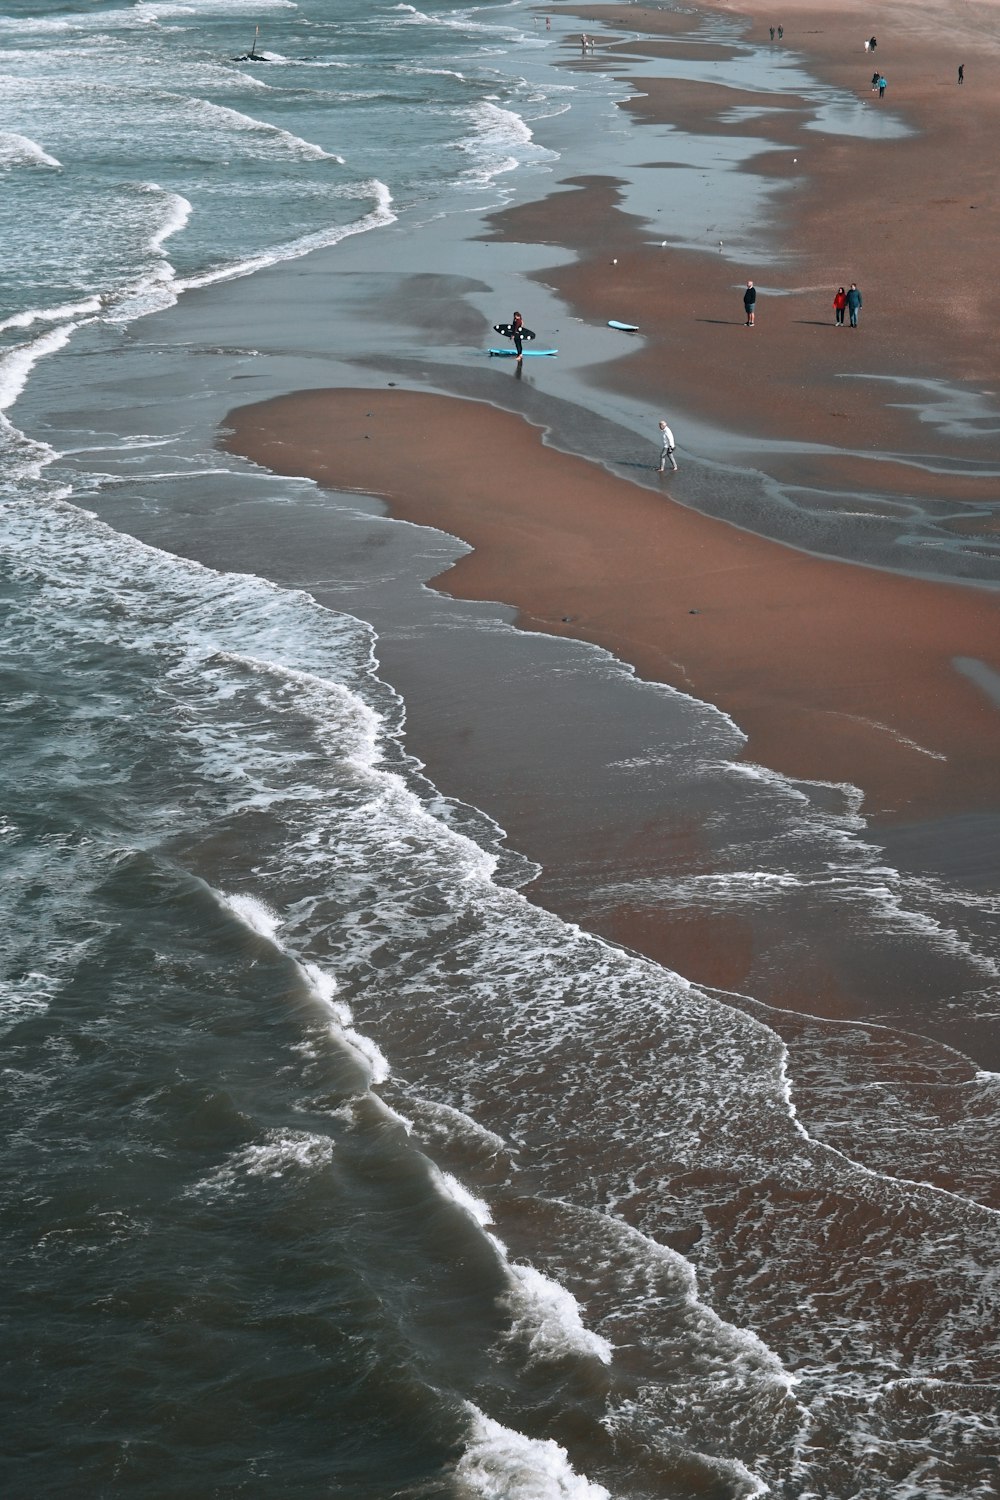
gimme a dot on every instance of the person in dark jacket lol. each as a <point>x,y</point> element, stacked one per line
<point>839,303</point>
<point>749,302</point>
<point>853,303</point>
<point>516,324</point>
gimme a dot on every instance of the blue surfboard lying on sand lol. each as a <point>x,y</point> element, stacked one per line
<point>528,353</point>
<point>623,327</point>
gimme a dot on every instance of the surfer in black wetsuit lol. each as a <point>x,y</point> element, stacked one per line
<point>516,324</point>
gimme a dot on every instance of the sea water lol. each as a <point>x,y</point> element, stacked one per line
<point>333,1164</point>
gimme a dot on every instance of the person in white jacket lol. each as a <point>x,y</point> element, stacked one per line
<point>667,451</point>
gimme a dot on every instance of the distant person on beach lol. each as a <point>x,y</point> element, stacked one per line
<point>872,43</point>
<point>772,33</point>
<point>867,46</point>
<point>781,32</point>
<point>875,80</point>
<point>749,302</point>
<point>854,303</point>
<point>961,72</point>
<point>839,304</point>
<point>881,85</point>
<point>667,449</point>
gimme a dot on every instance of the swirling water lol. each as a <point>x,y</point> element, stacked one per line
<point>332,1164</point>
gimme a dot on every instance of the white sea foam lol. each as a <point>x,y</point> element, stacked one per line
<point>500,1464</point>
<point>895,734</point>
<point>281,1154</point>
<point>264,921</point>
<point>70,312</point>
<point>378,218</point>
<point>462,20</point>
<point>177,212</point>
<point>500,139</point>
<point>277,141</point>
<point>20,151</point>
<point>257,915</point>
<point>546,1317</point>
<point>157,10</point>
<point>17,364</point>
<point>30,996</point>
<point>324,988</point>
<point>476,1208</point>
<point>437,1122</point>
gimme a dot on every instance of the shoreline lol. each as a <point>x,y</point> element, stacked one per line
<point>837,672</point>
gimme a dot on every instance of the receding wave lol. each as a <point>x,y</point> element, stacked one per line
<point>20,151</point>
<point>275,140</point>
<point>377,218</point>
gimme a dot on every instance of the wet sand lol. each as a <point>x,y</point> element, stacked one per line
<point>914,221</point>
<point>836,672</point>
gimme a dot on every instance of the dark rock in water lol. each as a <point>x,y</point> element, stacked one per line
<point>251,57</point>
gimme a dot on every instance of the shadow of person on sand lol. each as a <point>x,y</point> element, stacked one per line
<point>815,322</point>
<point>722,322</point>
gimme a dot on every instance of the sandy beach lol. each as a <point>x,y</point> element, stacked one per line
<point>836,673</point>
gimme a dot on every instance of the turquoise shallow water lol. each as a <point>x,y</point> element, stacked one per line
<point>332,1165</point>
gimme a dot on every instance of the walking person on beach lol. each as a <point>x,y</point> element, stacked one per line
<point>839,304</point>
<point>667,450</point>
<point>875,80</point>
<point>854,303</point>
<point>961,72</point>
<point>749,302</point>
<point>781,32</point>
<point>872,43</point>
<point>772,33</point>
<point>881,85</point>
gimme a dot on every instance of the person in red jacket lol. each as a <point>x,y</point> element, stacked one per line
<point>839,304</point>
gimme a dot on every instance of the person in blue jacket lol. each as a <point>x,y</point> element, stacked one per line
<point>854,303</point>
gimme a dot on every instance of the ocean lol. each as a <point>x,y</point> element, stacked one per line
<point>344,1153</point>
